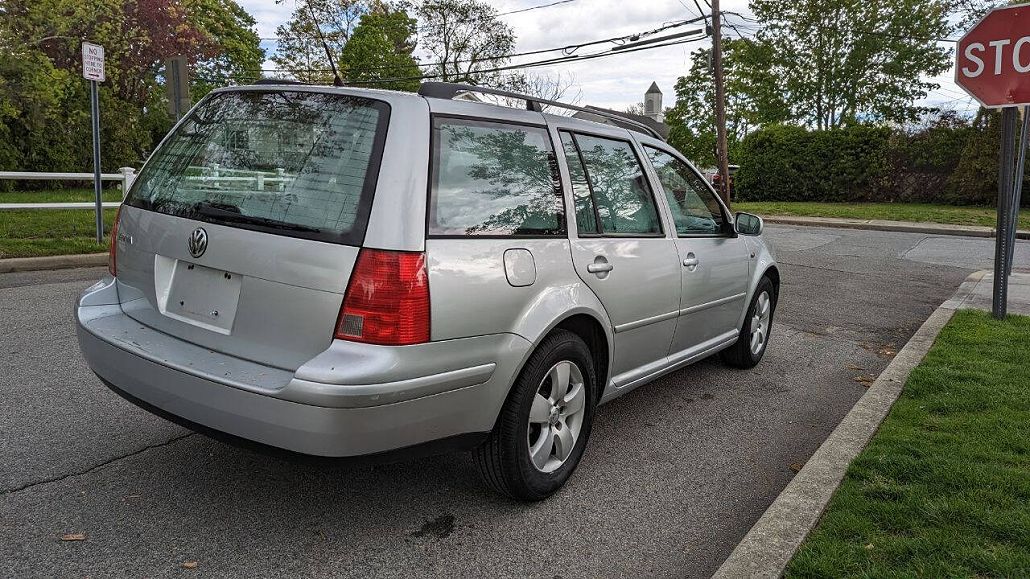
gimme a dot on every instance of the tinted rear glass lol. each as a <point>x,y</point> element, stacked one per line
<point>494,179</point>
<point>289,162</point>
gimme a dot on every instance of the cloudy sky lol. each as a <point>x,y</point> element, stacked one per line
<point>616,81</point>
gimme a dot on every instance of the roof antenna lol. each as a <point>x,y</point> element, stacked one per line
<point>337,81</point>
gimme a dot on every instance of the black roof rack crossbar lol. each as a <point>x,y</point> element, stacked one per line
<point>448,90</point>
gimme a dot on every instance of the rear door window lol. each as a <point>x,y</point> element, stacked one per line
<point>294,163</point>
<point>493,179</point>
<point>619,202</point>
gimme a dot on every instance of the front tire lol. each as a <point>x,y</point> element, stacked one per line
<point>545,423</point>
<point>754,335</point>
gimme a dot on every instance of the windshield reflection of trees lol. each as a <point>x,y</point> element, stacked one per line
<point>308,135</point>
<point>619,187</point>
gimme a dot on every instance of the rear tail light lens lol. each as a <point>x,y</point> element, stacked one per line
<point>112,248</point>
<point>387,299</point>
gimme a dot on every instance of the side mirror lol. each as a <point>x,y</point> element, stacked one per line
<point>748,224</point>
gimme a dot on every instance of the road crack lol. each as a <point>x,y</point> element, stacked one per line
<point>96,467</point>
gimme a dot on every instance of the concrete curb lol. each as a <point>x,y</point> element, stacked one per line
<point>772,542</point>
<point>52,262</point>
<point>884,225</point>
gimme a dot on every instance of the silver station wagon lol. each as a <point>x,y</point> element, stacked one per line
<point>344,272</point>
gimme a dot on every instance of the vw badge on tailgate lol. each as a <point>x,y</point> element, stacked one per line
<point>197,242</point>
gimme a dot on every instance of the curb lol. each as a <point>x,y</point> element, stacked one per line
<point>883,225</point>
<point>52,262</point>
<point>772,542</point>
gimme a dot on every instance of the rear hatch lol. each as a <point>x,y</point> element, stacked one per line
<point>243,228</point>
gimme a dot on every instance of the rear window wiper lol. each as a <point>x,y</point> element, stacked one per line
<point>232,214</point>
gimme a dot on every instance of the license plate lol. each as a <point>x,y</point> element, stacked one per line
<point>202,296</point>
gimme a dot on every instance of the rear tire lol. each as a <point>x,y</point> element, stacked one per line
<point>545,423</point>
<point>754,334</point>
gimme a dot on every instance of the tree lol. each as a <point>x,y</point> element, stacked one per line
<point>379,51</point>
<point>40,87</point>
<point>752,100</point>
<point>238,57</point>
<point>843,61</point>
<point>465,39</point>
<point>635,109</point>
<point>300,51</point>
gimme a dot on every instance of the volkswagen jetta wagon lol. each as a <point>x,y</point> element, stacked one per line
<point>342,272</point>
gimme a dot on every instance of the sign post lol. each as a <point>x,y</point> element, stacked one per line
<point>177,85</point>
<point>994,67</point>
<point>93,71</point>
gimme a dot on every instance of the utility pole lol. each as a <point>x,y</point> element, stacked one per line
<point>721,144</point>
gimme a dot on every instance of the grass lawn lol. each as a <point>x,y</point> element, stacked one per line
<point>943,489</point>
<point>31,233</point>
<point>921,212</point>
<point>26,233</point>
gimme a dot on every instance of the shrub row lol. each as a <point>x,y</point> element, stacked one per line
<point>951,161</point>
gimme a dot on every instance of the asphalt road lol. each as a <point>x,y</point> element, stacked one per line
<point>676,472</point>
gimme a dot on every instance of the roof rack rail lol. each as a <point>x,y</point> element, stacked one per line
<point>448,90</point>
<point>282,81</point>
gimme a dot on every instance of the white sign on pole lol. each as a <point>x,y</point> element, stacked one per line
<point>92,62</point>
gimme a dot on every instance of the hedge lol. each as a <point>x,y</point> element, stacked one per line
<point>951,161</point>
<point>787,163</point>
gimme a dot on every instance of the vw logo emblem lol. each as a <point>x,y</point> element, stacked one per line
<point>197,242</point>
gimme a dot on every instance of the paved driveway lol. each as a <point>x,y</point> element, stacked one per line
<point>676,472</point>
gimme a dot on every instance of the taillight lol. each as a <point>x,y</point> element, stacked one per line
<point>112,248</point>
<point>387,299</point>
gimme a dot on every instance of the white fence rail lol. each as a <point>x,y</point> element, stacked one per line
<point>125,175</point>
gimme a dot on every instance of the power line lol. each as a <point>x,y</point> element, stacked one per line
<point>566,50</point>
<point>535,7</point>
<point>526,65</point>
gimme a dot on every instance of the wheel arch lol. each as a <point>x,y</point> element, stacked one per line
<point>593,327</point>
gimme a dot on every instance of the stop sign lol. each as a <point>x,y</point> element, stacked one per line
<point>994,58</point>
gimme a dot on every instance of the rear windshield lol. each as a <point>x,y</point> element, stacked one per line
<point>294,163</point>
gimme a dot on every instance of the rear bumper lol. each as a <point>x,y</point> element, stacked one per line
<point>275,407</point>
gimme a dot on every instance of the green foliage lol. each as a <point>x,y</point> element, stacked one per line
<point>788,163</point>
<point>239,56</point>
<point>380,49</point>
<point>975,180</point>
<point>300,52</point>
<point>923,159</point>
<point>751,100</point>
<point>464,38</point>
<point>44,102</point>
<point>848,61</point>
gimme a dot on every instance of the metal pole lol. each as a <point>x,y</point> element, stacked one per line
<point>97,187</point>
<point>1017,186</point>
<point>1005,182</point>
<point>721,143</point>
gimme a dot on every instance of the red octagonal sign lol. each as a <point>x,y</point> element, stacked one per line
<point>994,58</point>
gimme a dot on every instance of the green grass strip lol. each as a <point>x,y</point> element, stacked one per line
<point>917,212</point>
<point>943,489</point>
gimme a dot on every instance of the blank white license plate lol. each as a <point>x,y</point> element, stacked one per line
<point>203,296</point>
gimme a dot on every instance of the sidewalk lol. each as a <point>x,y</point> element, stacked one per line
<point>883,225</point>
<point>980,294</point>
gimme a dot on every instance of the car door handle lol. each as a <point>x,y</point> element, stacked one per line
<point>691,261</point>
<point>600,267</point>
